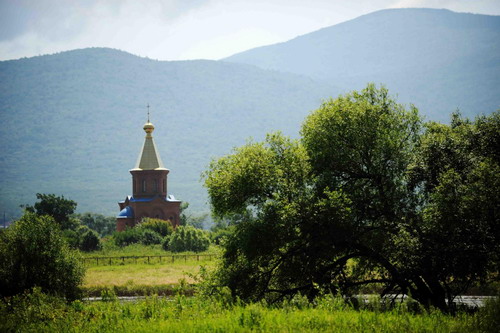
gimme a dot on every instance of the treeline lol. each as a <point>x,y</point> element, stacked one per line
<point>41,248</point>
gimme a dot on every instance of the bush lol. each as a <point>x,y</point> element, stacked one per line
<point>165,242</point>
<point>33,253</point>
<point>89,241</point>
<point>150,237</point>
<point>71,237</point>
<point>128,236</point>
<point>187,238</point>
<point>162,227</point>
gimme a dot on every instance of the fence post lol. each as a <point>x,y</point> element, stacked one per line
<point>97,259</point>
<point>109,261</point>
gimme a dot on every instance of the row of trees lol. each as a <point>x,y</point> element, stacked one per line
<point>38,250</point>
<point>84,231</point>
<point>81,231</point>
<point>370,194</point>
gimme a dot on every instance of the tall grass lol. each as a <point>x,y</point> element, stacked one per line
<point>31,313</point>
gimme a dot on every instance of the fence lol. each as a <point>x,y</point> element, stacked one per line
<point>122,260</point>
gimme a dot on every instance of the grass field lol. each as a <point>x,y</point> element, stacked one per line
<point>143,274</point>
<point>39,313</point>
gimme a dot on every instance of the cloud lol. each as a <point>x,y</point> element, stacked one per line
<point>181,29</point>
<point>63,20</point>
<point>491,7</point>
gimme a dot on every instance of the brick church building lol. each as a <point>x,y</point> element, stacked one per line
<point>149,189</point>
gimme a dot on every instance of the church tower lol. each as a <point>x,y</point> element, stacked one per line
<point>149,189</point>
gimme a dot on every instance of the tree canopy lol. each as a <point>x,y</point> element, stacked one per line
<point>33,253</point>
<point>58,207</point>
<point>369,194</point>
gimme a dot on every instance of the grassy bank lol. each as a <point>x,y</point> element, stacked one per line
<point>193,314</point>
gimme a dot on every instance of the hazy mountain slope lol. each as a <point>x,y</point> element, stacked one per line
<point>437,59</point>
<point>71,123</point>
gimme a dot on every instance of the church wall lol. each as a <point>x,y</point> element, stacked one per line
<point>124,223</point>
<point>155,183</point>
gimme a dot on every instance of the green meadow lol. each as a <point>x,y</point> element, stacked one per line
<point>205,314</point>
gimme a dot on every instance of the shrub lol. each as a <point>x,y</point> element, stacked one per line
<point>150,237</point>
<point>128,236</point>
<point>71,237</point>
<point>165,243</point>
<point>187,238</point>
<point>162,227</point>
<point>33,253</point>
<point>89,241</point>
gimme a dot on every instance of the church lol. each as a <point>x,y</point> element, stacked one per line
<point>149,189</point>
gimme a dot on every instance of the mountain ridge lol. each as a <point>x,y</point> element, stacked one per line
<point>72,121</point>
<point>429,47</point>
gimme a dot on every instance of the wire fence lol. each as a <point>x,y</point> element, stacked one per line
<point>123,260</point>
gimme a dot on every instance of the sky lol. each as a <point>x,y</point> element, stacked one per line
<point>183,29</point>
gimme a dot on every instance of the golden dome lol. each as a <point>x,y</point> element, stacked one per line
<point>148,128</point>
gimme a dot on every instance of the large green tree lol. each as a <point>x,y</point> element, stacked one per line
<point>33,253</point>
<point>362,198</point>
<point>58,207</point>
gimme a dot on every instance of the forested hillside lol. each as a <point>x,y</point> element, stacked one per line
<point>71,123</point>
<point>437,59</point>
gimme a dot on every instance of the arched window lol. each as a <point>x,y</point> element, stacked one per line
<point>165,185</point>
<point>144,185</point>
<point>155,185</point>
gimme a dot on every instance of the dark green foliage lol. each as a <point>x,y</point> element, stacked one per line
<point>150,231</point>
<point>162,227</point>
<point>89,241</point>
<point>150,237</point>
<point>59,208</point>
<point>366,197</point>
<point>34,254</point>
<point>103,225</point>
<point>188,238</point>
<point>164,243</point>
<point>218,237</point>
<point>128,236</point>
<point>72,238</point>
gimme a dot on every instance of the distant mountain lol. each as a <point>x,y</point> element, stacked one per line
<point>71,123</point>
<point>436,59</point>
